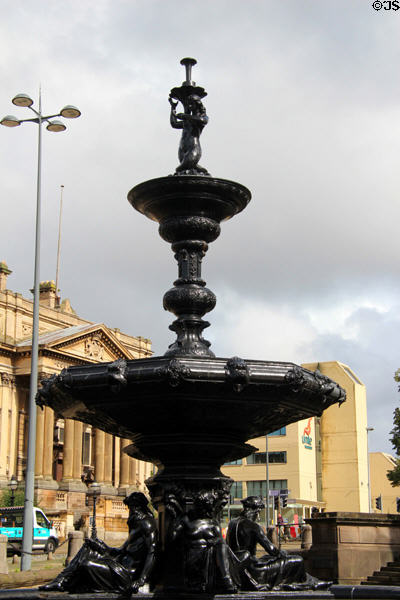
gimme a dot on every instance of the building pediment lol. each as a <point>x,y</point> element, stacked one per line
<point>90,343</point>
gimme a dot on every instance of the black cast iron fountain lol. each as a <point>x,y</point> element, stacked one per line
<point>189,411</point>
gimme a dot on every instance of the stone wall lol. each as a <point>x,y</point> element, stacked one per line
<point>347,547</point>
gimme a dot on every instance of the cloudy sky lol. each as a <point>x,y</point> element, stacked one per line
<point>303,100</point>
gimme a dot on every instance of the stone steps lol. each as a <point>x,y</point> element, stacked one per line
<point>388,575</point>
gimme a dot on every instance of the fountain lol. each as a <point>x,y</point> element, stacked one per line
<point>188,412</point>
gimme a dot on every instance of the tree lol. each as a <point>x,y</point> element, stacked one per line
<point>394,475</point>
<point>19,497</point>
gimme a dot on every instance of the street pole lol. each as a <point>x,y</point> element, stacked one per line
<point>59,246</point>
<point>26,555</point>
<point>369,473</point>
<point>68,112</point>
<point>267,476</point>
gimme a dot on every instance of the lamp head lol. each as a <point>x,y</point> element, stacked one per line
<point>70,112</point>
<point>22,100</point>
<point>13,483</point>
<point>95,489</point>
<point>56,125</point>
<point>10,121</point>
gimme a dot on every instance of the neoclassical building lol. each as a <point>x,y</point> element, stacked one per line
<point>69,454</point>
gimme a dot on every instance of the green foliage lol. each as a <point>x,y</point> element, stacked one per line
<point>394,475</point>
<point>19,497</point>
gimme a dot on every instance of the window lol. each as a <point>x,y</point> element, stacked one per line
<point>86,447</point>
<point>41,520</point>
<point>277,457</point>
<point>234,462</point>
<point>237,489</point>
<point>259,488</point>
<point>258,458</point>
<point>281,431</point>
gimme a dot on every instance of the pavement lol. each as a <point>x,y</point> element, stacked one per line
<point>42,570</point>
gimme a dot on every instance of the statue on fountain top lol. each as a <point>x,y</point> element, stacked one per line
<point>192,122</point>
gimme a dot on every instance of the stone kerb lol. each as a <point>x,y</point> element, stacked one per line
<point>347,547</point>
<point>3,555</point>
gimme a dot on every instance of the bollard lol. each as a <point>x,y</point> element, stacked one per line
<point>272,535</point>
<point>75,541</point>
<point>3,554</point>
<point>15,559</point>
<point>306,537</point>
<point>49,556</point>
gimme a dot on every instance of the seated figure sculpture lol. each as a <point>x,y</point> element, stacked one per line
<point>198,543</point>
<point>100,568</point>
<point>274,570</point>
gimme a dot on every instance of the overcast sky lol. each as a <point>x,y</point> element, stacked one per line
<point>304,107</point>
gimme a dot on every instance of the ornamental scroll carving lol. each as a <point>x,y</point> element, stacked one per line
<point>175,372</point>
<point>237,372</point>
<point>7,379</point>
<point>94,348</point>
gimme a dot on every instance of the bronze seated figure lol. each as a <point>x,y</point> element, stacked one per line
<point>274,570</point>
<point>99,568</point>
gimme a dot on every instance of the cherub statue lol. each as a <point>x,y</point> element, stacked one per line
<point>192,123</point>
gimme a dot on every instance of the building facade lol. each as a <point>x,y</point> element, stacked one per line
<point>380,464</point>
<point>69,454</point>
<point>322,462</point>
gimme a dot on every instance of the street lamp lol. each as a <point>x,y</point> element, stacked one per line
<point>13,484</point>
<point>94,492</point>
<point>69,112</point>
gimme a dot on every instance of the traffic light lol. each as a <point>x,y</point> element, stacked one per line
<point>398,504</point>
<point>378,502</point>
<point>284,500</point>
<point>276,502</point>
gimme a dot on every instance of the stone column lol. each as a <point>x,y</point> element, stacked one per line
<point>117,460</point>
<point>48,445</point>
<point>20,443</point>
<point>77,459</point>
<point>133,472</point>
<point>99,456</point>
<point>124,479</point>
<point>68,454</point>
<point>13,431</point>
<point>72,460</point>
<point>39,443</point>
<point>108,456</point>
<point>6,384</point>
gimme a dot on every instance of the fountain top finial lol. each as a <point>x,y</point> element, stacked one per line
<point>188,63</point>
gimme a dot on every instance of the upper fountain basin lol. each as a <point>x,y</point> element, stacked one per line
<point>189,195</point>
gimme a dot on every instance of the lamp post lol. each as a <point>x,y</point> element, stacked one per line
<point>13,484</point>
<point>94,492</point>
<point>368,429</point>
<point>267,481</point>
<point>68,112</point>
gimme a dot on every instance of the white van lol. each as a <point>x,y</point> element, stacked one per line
<point>11,524</point>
